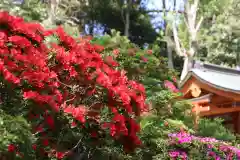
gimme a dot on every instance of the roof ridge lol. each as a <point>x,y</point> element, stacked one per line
<point>221,68</point>
<point>213,67</point>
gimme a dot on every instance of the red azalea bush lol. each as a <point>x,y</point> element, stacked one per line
<point>67,78</point>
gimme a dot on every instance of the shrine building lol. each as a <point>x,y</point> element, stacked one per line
<point>214,91</point>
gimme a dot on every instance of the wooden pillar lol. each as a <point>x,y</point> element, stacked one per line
<point>198,109</point>
<point>238,123</point>
<point>196,115</point>
<point>235,121</point>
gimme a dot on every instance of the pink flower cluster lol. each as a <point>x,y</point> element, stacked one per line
<point>215,149</point>
<point>169,85</point>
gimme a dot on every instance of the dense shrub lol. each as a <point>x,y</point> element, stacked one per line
<point>214,128</point>
<point>144,65</point>
<point>59,85</point>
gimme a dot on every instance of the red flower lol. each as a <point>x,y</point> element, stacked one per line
<point>45,142</point>
<point>125,98</point>
<point>3,35</point>
<point>10,77</point>
<point>113,130</point>
<point>110,61</point>
<point>50,121</point>
<point>149,51</point>
<point>116,51</point>
<point>73,124</point>
<point>30,95</point>
<point>78,113</point>
<point>20,154</point>
<point>42,151</point>
<point>20,41</point>
<point>80,118</point>
<point>144,59</point>
<point>11,148</point>
<point>105,125</point>
<point>34,146</point>
<point>98,48</point>
<point>91,92</point>
<point>31,116</point>
<point>60,155</point>
<point>39,128</point>
<point>68,109</point>
<point>94,134</point>
<point>114,110</point>
<point>72,72</point>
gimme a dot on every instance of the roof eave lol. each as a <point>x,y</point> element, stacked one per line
<point>192,74</point>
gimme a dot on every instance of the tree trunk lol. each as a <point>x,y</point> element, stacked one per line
<point>170,56</point>
<point>169,47</point>
<point>238,61</point>
<point>52,10</point>
<point>185,68</point>
<point>127,18</point>
<point>190,16</point>
<point>91,28</point>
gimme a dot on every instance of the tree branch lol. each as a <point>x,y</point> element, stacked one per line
<point>162,10</point>
<point>186,22</point>
<point>199,24</point>
<point>80,140</point>
<point>196,4</point>
<point>179,51</point>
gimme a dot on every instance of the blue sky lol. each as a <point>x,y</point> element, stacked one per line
<point>157,4</point>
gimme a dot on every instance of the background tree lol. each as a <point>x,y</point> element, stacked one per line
<point>128,17</point>
<point>192,24</point>
<point>219,41</point>
<point>29,9</point>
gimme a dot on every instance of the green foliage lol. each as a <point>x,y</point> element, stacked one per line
<point>154,137</point>
<point>218,37</point>
<point>14,127</point>
<point>142,65</point>
<point>155,130</point>
<point>214,128</point>
<point>31,10</point>
<point>14,130</point>
<point>182,111</point>
<point>167,114</point>
<point>219,34</point>
<point>34,10</point>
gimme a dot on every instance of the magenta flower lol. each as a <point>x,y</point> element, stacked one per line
<point>213,147</point>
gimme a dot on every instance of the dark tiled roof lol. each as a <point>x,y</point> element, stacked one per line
<point>217,76</point>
